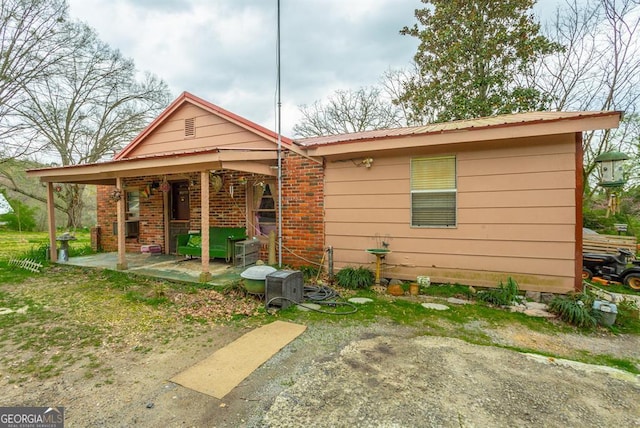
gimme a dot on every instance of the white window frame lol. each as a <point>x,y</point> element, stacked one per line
<point>255,212</point>
<point>435,191</point>
<point>132,213</point>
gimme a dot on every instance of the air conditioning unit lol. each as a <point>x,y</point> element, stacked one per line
<point>131,228</point>
<point>283,288</point>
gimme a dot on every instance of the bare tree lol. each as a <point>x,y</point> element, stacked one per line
<point>30,42</point>
<point>599,69</point>
<point>90,107</point>
<point>348,111</point>
<point>394,83</point>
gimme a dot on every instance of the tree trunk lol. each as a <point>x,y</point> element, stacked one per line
<point>75,205</point>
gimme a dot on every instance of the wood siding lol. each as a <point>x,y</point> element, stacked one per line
<point>515,215</point>
<point>211,131</point>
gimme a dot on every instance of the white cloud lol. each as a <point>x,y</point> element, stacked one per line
<point>224,50</point>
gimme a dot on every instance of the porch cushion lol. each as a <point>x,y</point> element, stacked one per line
<point>194,241</point>
<point>221,242</point>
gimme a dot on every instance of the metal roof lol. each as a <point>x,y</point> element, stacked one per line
<point>517,119</point>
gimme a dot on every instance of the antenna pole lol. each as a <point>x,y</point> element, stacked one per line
<point>279,115</point>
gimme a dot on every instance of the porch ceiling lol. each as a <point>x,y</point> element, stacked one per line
<point>258,161</point>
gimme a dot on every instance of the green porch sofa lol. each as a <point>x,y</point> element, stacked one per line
<point>221,242</point>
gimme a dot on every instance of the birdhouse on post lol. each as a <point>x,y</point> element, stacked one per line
<point>611,166</point>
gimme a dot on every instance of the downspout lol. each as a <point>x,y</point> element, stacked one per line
<point>578,283</point>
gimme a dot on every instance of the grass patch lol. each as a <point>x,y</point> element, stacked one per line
<point>152,300</point>
<point>18,244</point>
<point>72,311</point>
<point>608,360</point>
<point>446,290</point>
<point>504,295</point>
<point>619,288</point>
<point>11,274</point>
<point>459,322</point>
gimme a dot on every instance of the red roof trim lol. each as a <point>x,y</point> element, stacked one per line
<point>206,105</point>
<point>471,125</point>
<point>137,158</point>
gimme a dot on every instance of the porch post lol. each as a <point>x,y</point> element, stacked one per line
<point>166,214</point>
<point>205,275</point>
<point>578,281</point>
<point>51,215</point>
<point>122,261</point>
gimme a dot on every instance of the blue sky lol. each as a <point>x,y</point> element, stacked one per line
<point>224,50</point>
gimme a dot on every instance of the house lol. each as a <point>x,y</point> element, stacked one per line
<point>471,201</point>
<point>5,206</point>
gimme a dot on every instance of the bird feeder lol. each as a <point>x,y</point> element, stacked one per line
<point>611,168</point>
<point>612,177</point>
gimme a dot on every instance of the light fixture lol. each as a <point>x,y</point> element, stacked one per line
<point>367,162</point>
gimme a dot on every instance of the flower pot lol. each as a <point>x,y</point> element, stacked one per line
<point>254,286</point>
<point>414,289</point>
<point>254,278</point>
<point>395,290</point>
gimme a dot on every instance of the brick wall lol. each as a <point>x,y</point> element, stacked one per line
<point>106,215</point>
<point>225,209</point>
<point>302,210</point>
<point>151,216</point>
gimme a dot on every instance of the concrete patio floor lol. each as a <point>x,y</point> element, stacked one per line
<point>164,266</point>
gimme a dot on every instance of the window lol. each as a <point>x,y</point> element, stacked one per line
<point>433,191</point>
<point>132,215</point>
<point>133,205</point>
<point>264,207</point>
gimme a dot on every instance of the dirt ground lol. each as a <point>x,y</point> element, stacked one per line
<point>379,375</point>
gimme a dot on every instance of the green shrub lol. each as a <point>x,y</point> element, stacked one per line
<point>235,288</point>
<point>504,295</point>
<point>575,309</point>
<point>309,272</point>
<point>36,253</point>
<point>628,319</point>
<point>354,278</point>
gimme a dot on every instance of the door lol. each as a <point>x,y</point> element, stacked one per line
<point>180,200</point>
<point>179,212</point>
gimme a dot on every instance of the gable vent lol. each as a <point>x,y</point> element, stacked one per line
<point>190,127</point>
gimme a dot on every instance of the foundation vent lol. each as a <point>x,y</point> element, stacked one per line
<point>190,127</point>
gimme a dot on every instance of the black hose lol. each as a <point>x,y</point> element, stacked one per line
<point>321,295</point>
<point>320,292</point>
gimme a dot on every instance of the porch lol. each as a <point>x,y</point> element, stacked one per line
<point>198,166</point>
<point>163,266</point>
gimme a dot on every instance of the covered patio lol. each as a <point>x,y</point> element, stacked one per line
<point>162,266</point>
<point>195,168</point>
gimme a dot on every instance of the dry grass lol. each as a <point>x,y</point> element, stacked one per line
<point>74,314</point>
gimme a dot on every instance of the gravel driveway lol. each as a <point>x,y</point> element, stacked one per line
<point>386,375</point>
<point>354,375</point>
